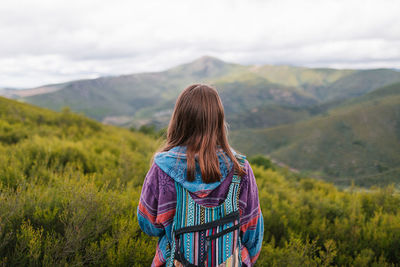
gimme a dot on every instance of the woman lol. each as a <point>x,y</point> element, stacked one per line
<point>198,159</point>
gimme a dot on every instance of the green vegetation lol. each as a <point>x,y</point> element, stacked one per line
<point>150,130</point>
<point>261,161</point>
<point>358,140</point>
<point>69,189</point>
<point>311,223</point>
<point>360,82</point>
<point>266,116</point>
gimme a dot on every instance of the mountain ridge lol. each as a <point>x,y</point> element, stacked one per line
<point>201,64</point>
<point>130,95</point>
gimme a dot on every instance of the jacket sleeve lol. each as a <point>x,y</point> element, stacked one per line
<point>252,222</point>
<point>148,205</point>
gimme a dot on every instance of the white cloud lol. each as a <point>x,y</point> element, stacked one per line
<point>47,41</point>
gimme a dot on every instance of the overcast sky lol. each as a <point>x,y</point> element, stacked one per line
<point>48,41</point>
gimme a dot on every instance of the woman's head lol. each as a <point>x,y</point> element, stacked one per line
<point>198,123</point>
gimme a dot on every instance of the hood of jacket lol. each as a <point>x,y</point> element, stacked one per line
<point>174,164</point>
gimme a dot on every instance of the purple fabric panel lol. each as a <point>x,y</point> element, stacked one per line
<point>150,191</point>
<point>158,193</point>
<point>249,197</point>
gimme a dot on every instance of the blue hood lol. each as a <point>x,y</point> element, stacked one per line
<point>173,163</point>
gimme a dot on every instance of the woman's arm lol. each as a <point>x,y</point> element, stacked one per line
<point>148,205</point>
<point>252,221</point>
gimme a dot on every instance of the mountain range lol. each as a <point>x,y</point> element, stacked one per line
<point>339,125</point>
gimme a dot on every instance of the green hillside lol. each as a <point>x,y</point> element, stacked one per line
<point>242,93</point>
<point>246,104</point>
<point>360,83</point>
<point>147,98</point>
<point>265,116</point>
<point>69,188</point>
<point>127,94</point>
<point>329,84</point>
<point>310,80</point>
<point>358,140</point>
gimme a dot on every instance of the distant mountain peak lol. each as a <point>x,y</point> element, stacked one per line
<point>208,59</point>
<point>205,66</point>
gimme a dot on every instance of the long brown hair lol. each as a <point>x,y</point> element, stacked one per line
<point>198,123</point>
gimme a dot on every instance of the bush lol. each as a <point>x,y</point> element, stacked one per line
<point>262,161</point>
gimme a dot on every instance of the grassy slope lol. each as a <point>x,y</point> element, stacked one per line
<point>329,84</point>
<point>309,80</point>
<point>66,183</point>
<point>360,83</point>
<point>242,92</point>
<point>45,135</point>
<point>359,140</point>
<point>105,96</point>
<point>266,116</point>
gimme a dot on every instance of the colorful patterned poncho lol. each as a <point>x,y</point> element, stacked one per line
<point>157,203</point>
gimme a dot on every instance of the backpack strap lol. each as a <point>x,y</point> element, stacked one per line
<point>236,179</point>
<point>241,159</point>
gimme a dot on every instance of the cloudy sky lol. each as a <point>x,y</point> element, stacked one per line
<point>48,41</point>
